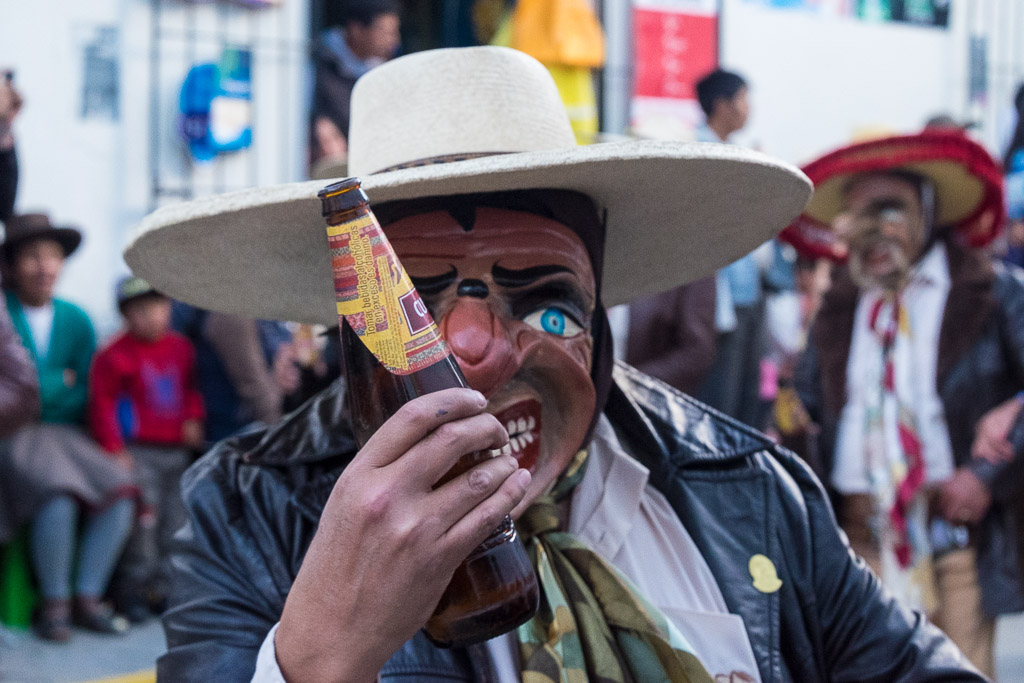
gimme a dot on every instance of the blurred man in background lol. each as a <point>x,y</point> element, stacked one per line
<point>723,98</point>
<point>913,372</point>
<point>367,38</point>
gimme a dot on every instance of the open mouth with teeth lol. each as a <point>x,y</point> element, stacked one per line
<point>522,420</point>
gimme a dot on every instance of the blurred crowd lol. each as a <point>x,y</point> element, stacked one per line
<point>119,424</point>
<point>96,436</point>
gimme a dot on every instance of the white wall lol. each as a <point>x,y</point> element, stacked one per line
<point>818,79</point>
<point>95,173</point>
<point>61,156</point>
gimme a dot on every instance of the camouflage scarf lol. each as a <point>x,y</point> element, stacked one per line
<point>593,624</point>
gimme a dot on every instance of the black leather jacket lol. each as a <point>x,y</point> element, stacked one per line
<point>254,503</point>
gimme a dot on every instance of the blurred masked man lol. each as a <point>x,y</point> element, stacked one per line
<point>918,346</point>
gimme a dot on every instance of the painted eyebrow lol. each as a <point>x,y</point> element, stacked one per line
<point>557,291</point>
<point>521,278</point>
<point>435,284</point>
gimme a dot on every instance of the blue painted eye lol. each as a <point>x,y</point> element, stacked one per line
<point>554,321</point>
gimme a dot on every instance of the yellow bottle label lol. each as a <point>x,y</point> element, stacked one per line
<point>377,299</point>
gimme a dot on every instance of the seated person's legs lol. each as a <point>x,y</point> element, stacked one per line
<point>52,540</point>
<point>103,539</point>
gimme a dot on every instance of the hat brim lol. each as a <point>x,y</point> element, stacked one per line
<point>68,238</point>
<point>676,212</point>
<point>966,178</point>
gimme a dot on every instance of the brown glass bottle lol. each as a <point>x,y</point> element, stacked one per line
<point>495,589</point>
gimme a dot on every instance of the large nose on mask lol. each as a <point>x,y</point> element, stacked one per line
<point>481,344</point>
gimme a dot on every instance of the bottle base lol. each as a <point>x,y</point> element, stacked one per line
<point>492,592</point>
<point>484,625</point>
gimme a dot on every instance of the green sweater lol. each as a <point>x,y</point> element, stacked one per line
<point>72,342</point>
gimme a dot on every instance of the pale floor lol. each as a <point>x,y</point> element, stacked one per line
<point>88,657</point>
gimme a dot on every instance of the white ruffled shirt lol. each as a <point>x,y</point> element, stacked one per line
<point>619,515</point>
<point>925,301</point>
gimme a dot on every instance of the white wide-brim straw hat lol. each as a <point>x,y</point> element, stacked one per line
<point>467,120</point>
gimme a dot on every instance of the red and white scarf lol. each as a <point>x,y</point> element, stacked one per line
<point>894,456</point>
<point>893,441</point>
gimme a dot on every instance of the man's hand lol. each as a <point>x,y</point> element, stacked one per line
<point>388,542</point>
<point>991,435</point>
<point>192,434</point>
<point>964,499</point>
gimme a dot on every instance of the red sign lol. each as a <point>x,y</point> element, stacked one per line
<point>673,50</point>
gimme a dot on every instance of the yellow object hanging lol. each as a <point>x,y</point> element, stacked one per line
<point>576,87</point>
<point>562,32</point>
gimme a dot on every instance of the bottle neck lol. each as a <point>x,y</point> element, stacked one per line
<point>344,215</point>
<point>375,295</point>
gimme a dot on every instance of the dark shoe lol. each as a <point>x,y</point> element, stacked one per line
<point>93,615</point>
<point>53,620</point>
<point>137,611</point>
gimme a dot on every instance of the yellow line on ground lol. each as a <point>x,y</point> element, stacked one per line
<point>147,676</point>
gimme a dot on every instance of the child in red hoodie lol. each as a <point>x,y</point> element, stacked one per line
<point>145,408</point>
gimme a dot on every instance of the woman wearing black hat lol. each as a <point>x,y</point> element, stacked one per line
<point>54,471</point>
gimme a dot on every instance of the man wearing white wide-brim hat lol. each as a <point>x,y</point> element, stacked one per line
<point>699,550</point>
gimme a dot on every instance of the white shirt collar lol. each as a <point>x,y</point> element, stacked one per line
<point>606,502</point>
<point>933,267</point>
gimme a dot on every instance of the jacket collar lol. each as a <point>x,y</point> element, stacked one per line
<point>667,426</point>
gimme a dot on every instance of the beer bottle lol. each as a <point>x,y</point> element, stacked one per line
<point>391,353</point>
